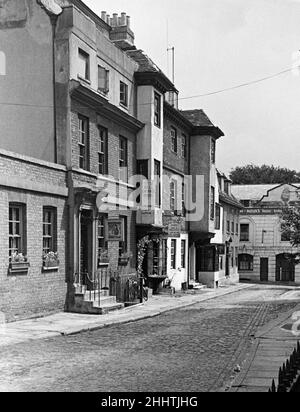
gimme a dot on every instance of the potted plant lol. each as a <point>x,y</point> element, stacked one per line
<point>18,263</point>
<point>103,258</point>
<point>50,261</point>
<point>124,258</point>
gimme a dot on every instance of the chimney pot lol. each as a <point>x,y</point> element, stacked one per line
<point>128,21</point>
<point>103,15</point>
<point>108,19</point>
<point>115,20</point>
<point>123,19</point>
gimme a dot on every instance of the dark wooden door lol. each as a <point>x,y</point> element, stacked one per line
<point>264,269</point>
<point>285,269</point>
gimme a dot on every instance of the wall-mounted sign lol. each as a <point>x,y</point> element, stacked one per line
<point>261,211</point>
<point>173,230</point>
<point>115,231</point>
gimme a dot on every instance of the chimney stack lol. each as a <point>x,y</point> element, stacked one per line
<point>120,33</point>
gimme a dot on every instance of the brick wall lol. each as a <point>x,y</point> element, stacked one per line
<point>92,178</point>
<point>175,160</point>
<point>35,292</point>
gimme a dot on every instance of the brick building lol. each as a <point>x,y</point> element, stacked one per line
<point>88,112</point>
<point>264,251</point>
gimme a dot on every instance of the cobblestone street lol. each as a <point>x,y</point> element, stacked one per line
<point>191,349</point>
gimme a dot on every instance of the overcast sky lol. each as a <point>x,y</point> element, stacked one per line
<point>223,43</point>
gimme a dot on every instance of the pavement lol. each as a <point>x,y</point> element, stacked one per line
<point>272,346</point>
<point>63,324</point>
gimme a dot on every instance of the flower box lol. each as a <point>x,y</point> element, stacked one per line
<point>51,265</point>
<point>19,267</point>
<point>50,261</point>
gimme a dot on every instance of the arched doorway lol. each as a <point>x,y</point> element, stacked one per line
<point>285,268</point>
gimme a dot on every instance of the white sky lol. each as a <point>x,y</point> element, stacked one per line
<point>222,43</point>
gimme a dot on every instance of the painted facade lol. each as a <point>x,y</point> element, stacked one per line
<point>263,251</point>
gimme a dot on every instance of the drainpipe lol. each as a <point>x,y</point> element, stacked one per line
<point>53,19</point>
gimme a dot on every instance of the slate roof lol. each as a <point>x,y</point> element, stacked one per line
<point>145,63</point>
<point>197,117</point>
<point>251,192</point>
<point>229,199</point>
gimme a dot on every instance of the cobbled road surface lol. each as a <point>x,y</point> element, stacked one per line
<point>193,349</point>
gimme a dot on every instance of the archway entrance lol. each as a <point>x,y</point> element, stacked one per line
<point>285,268</point>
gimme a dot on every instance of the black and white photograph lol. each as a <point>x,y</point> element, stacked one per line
<point>149,199</point>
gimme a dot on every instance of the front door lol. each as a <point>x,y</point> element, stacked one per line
<point>86,245</point>
<point>264,269</point>
<point>285,269</point>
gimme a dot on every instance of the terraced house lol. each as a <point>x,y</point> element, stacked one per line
<point>82,112</point>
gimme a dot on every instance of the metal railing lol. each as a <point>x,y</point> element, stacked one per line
<point>289,374</point>
<point>126,288</point>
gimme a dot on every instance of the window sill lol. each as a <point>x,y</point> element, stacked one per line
<point>50,268</point>
<point>87,81</point>
<point>103,92</point>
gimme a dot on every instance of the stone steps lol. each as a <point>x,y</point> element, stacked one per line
<point>87,302</point>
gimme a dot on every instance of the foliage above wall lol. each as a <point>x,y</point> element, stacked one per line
<point>255,175</point>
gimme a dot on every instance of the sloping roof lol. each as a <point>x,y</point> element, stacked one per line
<point>251,192</point>
<point>229,199</point>
<point>145,63</point>
<point>148,70</point>
<point>197,117</point>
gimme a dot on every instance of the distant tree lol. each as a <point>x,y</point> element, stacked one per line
<point>252,174</point>
<point>290,225</point>
<point>290,228</point>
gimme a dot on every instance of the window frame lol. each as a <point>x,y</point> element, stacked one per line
<point>157,110</point>
<point>123,245</point>
<point>218,217</point>
<point>243,237</point>
<point>249,261</point>
<point>105,89</point>
<point>101,234</point>
<point>22,235</point>
<point>52,236</point>
<point>82,54</point>
<point>84,142</point>
<point>157,179</point>
<point>174,140</point>
<point>124,94</point>
<point>183,253</point>
<point>173,195</point>
<point>173,253</point>
<point>102,150</point>
<point>212,203</point>
<point>213,150</point>
<point>123,162</point>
